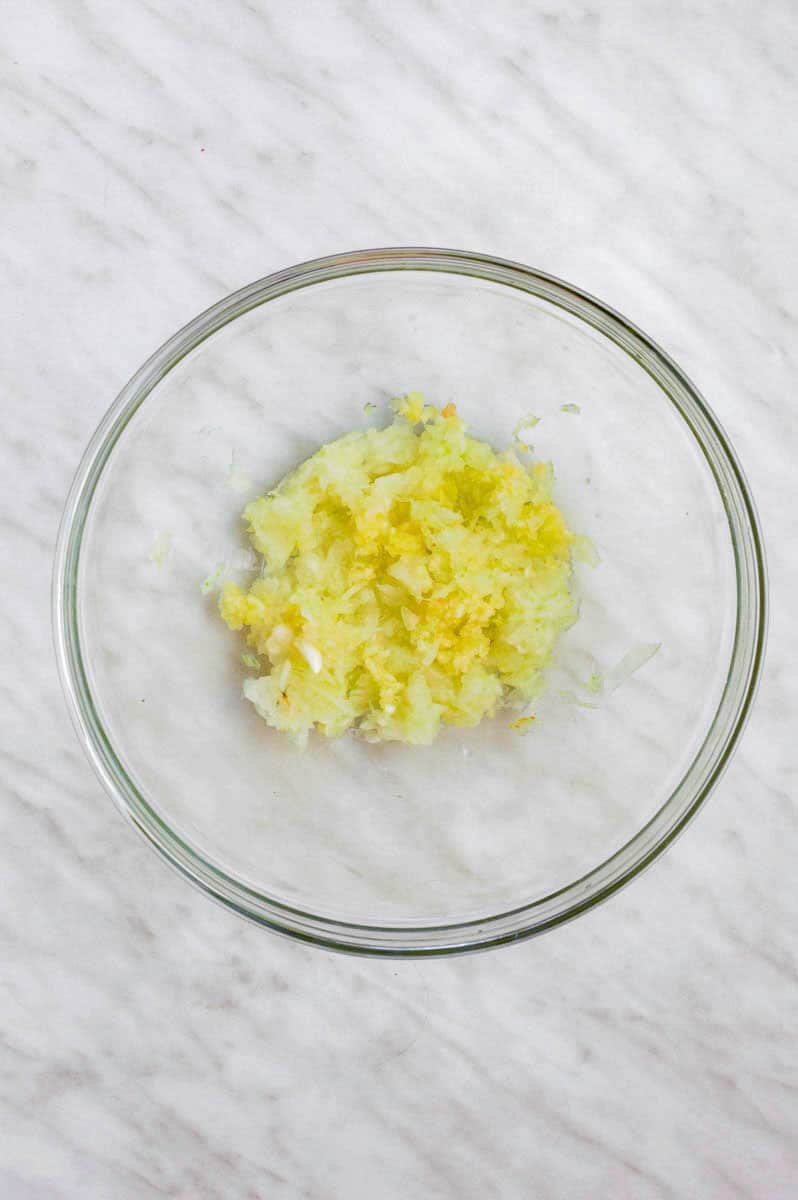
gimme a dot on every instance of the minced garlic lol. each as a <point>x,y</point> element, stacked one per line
<point>412,577</point>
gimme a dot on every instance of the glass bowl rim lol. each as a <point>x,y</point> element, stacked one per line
<point>603,880</point>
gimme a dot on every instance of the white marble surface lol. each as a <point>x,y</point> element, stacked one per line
<point>155,157</point>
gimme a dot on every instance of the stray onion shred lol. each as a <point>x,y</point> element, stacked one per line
<point>413,578</point>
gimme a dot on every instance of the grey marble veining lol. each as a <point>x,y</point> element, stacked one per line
<point>155,157</point>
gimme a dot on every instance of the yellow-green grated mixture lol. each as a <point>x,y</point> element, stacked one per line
<point>413,577</point>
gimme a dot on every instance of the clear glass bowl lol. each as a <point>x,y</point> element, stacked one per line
<point>485,837</point>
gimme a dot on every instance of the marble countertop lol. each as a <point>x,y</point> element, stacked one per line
<point>154,158</point>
